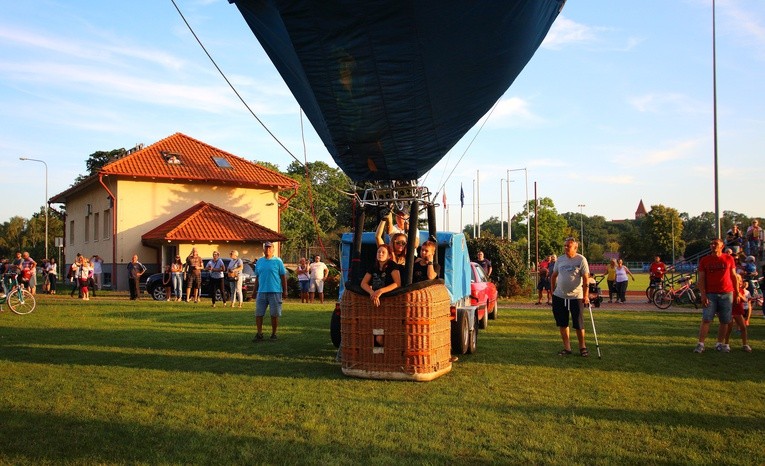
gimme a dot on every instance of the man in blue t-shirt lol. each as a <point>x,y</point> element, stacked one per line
<point>271,283</point>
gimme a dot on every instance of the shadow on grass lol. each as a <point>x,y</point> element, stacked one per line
<point>106,442</point>
<point>661,348</point>
<point>295,354</point>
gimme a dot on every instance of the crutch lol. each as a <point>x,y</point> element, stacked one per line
<point>592,319</point>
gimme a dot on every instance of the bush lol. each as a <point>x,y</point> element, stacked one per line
<point>509,270</point>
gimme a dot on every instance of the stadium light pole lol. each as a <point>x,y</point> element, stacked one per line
<point>27,159</point>
<point>714,112</point>
<point>528,218</point>
<point>581,221</point>
<point>501,226</point>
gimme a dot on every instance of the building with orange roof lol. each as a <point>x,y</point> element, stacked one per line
<point>162,200</point>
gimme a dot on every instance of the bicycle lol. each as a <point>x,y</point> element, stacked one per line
<point>653,287</point>
<point>19,300</point>
<point>663,298</point>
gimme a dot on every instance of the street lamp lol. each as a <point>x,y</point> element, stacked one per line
<point>46,199</point>
<point>528,219</point>
<point>581,220</point>
<point>501,226</point>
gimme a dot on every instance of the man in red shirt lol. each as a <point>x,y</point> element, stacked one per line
<point>658,269</point>
<point>717,278</point>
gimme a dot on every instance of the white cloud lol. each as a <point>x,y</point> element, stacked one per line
<point>667,102</point>
<point>631,157</point>
<point>565,31</point>
<point>513,112</point>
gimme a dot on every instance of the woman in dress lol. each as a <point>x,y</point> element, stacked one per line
<point>234,275</point>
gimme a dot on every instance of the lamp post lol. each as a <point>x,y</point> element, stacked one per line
<point>528,219</point>
<point>46,199</point>
<point>501,226</point>
<point>581,220</point>
<point>718,230</point>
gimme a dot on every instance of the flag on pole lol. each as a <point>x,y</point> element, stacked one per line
<point>444,200</point>
<point>462,197</point>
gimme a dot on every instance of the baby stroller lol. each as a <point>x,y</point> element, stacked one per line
<point>595,297</point>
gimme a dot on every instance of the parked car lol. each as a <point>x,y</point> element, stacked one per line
<point>156,289</point>
<point>483,295</point>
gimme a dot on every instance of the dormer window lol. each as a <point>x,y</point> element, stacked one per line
<point>171,158</point>
<point>221,162</point>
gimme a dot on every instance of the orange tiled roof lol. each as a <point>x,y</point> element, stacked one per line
<point>207,222</point>
<point>196,164</point>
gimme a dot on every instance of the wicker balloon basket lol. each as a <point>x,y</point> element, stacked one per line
<point>413,326</point>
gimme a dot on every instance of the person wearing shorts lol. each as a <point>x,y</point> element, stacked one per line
<point>271,283</point>
<point>570,294</point>
<point>717,279</point>
<point>318,272</point>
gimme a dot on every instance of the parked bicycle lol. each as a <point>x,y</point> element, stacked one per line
<point>663,298</point>
<point>19,300</point>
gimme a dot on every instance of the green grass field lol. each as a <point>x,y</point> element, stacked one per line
<point>112,381</point>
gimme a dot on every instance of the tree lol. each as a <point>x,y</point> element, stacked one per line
<point>699,227</point>
<point>325,200</point>
<point>97,160</point>
<point>509,270</point>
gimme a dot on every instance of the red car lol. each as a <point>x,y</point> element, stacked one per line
<point>483,294</point>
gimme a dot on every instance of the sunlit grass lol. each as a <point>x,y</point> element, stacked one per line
<point>114,381</point>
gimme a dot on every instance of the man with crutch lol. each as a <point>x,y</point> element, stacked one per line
<point>570,294</point>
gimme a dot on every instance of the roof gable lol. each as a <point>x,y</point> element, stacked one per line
<point>208,222</point>
<point>183,158</point>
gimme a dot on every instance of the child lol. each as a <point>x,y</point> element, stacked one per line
<point>424,269</point>
<point>383,276</point>
<point>738,314</point>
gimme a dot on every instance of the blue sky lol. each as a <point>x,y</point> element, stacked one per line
<point>615,107</point>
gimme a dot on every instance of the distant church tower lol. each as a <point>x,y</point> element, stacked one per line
<point>640,212</point>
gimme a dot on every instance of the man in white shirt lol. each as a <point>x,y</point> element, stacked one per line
<point>318,271</point>
<point>570,295</point>
<point>98,272</point>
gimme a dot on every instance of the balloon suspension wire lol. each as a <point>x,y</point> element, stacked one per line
<point>241,99</point>
<point>309,184</point>
<point>485,120</point>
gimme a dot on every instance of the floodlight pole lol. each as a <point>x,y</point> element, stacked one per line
<point>46,199</point>
<point>581,220</point>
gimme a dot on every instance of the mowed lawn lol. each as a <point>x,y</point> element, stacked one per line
<point>112,381</point>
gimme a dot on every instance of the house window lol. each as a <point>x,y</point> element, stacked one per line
<point>171,158</point>
<point>107,223</point>
<point>87,228</point>
<point>71,232</point>
<point>221,162</point>
<point>96,225</point>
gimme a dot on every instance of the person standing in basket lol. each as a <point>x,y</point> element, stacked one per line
<point>135,270</point>
<point>271,285</point>
<point>570,294</point>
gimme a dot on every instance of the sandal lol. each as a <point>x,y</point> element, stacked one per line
<point>538,303</point>
<point>564,352</point>
<point>583,352</point>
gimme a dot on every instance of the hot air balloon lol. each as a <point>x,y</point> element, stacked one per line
<point>390,86</point>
